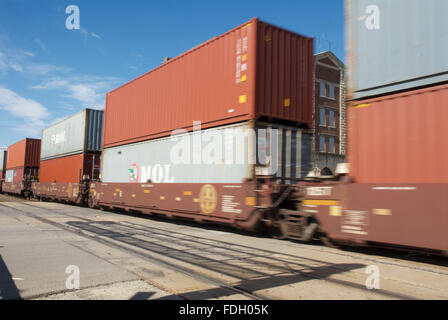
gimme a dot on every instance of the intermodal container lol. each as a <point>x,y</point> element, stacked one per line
<point>255,71</point>
<point>77,134</point>
<point>3,155</point>
<point>25,153</point>
<point>395,45</point>
<point>227,154</point>
<point>400,138</point>
<point>70,168</point>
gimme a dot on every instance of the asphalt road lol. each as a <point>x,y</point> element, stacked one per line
<point>45,248</point>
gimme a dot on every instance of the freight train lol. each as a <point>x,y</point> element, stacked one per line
<point>223,134</point>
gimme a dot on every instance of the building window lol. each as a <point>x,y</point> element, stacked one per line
<point>331,144</point>
<point>327,90</point>
<point>331,119</point>
<point>322,144</point>
<point>322,119</point>
<point>323,92</point>
<point>332,92</point>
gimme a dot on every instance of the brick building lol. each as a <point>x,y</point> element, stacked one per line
<point>329,138</point>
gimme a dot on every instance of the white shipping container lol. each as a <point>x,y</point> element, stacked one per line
<point>3,157</point>
<point>81,132</point>
<point>227,154</point>
<point>395,45</point>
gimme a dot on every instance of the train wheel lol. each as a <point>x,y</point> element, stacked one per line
<point>326,241</point>
<point>90,203</point>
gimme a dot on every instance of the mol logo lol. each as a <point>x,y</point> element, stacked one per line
<point>133,173</point>
<point>155,173</point>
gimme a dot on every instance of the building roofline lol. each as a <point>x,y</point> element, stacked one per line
<point>332,56</point>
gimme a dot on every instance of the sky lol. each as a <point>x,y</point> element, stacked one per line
<point>49,72</point>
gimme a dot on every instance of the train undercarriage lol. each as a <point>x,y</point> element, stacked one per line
<point>324,209</point>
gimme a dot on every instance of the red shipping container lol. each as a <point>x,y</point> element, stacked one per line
<point>25,153</point>
<point>255,71</point>
<point>69,169</point>
<point>400,138</point>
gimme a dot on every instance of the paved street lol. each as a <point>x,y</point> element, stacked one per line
<point>124,256</point>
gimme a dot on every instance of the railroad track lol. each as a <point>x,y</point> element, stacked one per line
<point>235,267</point>
<point>346,251</point>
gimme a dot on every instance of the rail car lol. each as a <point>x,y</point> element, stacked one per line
<point>21,166</point>
<point>333,209</point>
<point>259,204</point>
<point>20,188</point>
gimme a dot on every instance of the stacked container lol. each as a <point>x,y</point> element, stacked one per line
<point>395,46</point>
<point>71,148</point>
<point>3,156</point>
<point>397,66</point>
<point>22,164</point>
<point>226,112</point>
<point>398,107</point>
<point>71,152</point>
<point>255,72</point>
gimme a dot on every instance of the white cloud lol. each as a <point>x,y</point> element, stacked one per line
<point>3,64</point>
<point>32,112</point>
<point>9,62</point>
<point>73,92</point>
<point>19,61</point>
<point>85,94</point>
<point>44,69</point>
<point>29,131</point>
<point>89,34</point>
<point>15,66</point>
<point>89,91</point>
<point>40,43</point>
<point>52,84</point>
<point>56,120</point>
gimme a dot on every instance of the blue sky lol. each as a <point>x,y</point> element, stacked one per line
<point>48,72</point>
